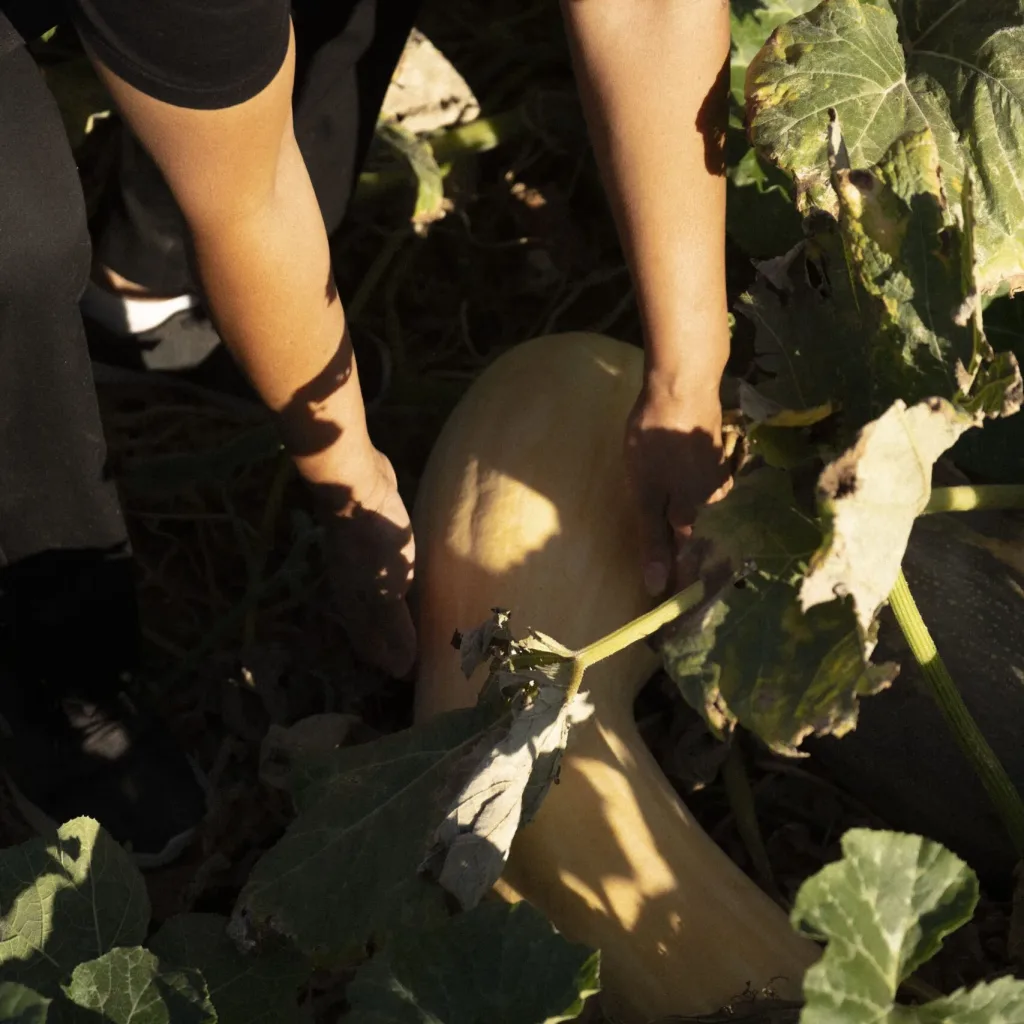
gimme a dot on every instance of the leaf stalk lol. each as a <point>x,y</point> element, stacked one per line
<point>632,632</point>
<point>967,498</point>
<point>1001,790</point>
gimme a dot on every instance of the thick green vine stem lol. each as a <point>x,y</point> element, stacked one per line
<point>981,496</point>
<point>982,757</point>
<point>632,632</point>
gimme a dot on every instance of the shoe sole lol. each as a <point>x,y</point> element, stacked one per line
<point>42,824</point>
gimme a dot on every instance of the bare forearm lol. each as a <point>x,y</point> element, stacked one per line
<point>651,74</point>
<point>267,277</point>
<point>263,257</point>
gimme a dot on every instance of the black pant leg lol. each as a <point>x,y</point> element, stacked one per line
<point>346,52</point>
<point>66,593</point>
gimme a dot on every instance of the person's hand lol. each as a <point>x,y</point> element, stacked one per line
<point>371,554</point>
<point>675,464</point>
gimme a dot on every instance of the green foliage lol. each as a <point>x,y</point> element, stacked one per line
<point>951,69</point>
<point>498,962</point>
<point>243,989</point>
<point>75,914</point>
<point>132,986</point>
<point>351,804</point>
<point>754,657</point>
<point>759,211</point>
<point>884,910</point>
<point>751,23</point>
<point>871,361</point>
<point>21,1005</point>
<point>66,900</point>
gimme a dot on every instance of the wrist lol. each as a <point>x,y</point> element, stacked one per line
<point>693,384</point>
<point>687,362</point>
<point>343,475</point>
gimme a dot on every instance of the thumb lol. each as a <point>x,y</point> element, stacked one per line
<point>656,548</point>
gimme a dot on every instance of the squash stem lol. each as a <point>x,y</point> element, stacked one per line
<point>967,498</point>
<point>986,764</point>
<point>631,632</point>
<point>741,799</point>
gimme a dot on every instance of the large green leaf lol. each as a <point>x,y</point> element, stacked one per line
<point>752,656</point>
<point>810,331</point>
<point>951,67</point>
<point>132,986</point>
<point>759,523</point>
<point>760,216</point>
<point>367,815</point>
<point>751,23</point>
<point>884,910</point>
<point>877,306</point>
<point>65,899</point>
<point>498,962</point>
<point>909,256</point>
<point>244,988</point>
<point>21,1005</point>
<point>760,661</point>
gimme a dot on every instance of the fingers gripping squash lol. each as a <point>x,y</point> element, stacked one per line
<point>524,506</point>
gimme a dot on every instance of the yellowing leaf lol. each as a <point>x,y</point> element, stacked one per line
<point>869,498</point>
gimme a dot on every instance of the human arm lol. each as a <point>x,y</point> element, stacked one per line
<point>262,253</point>
<point>652,76</point>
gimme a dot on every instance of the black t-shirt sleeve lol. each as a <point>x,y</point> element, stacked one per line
<point>201,54</point>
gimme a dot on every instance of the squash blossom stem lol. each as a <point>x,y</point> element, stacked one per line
<point>982,757</point>
<point>967,498</point>
<point>633,631</point>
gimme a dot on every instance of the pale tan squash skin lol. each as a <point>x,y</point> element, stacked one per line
<point>524,505</point>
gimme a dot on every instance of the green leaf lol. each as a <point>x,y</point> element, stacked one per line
<point>952,68</point>
<point>880,309</point>
<point>253,988</point>
<point>884,910</point>
<point>132,986</point>
<point>21,1005</point>
<point>869,498</point>
<point>352,804</point>
<point>66,899</point>
<point>752,656</point>
<point>811,330</point>
<point>756,659</point>
<point>498,962</point>
<point>997,1002</point>
<point>758,523</point>
<point>909,256</point>
<point>751,23</point>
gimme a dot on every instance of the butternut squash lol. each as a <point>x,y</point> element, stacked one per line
<point>524,505</point>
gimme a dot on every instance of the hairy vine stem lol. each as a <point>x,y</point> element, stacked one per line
<point>969,497</point>
<point>632,632</point>
<point>968,736</point>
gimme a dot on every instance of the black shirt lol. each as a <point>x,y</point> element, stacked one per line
<point>201,54</point>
